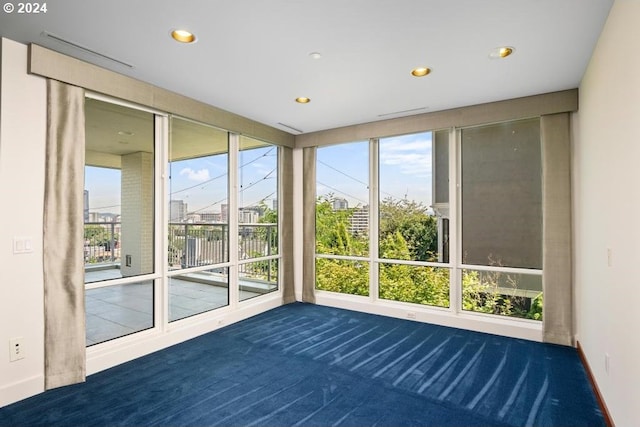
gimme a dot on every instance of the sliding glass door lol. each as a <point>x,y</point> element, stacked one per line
<point>119,234</point>
<point>165,238</point>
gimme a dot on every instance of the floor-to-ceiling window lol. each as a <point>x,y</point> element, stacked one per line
<point>413,214</point>
<point>447,218</point>
<point>342,218</point>
<point>165,238</point>
<point>501,219</point>
<point>119,220</point>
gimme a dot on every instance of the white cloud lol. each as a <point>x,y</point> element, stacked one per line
<point>198,176</point>
<point>411,158</point>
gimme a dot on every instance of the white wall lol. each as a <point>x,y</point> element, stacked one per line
<point>606,193</point>
<point>22,154</point>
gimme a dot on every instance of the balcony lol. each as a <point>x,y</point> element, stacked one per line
<point>114,311</point>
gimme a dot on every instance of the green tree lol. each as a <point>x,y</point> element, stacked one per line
<point>332,231</point>
<point>408,233</point>
<point>334,238</point>
<point>410,283</point>
<point>417,227</point>
<point>268,234</point>
<point>98,235</point>
<point>497,293</point>
<point>347,277</point>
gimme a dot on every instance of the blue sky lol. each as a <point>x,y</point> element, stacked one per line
<point>202,183</point>
<point>405,170</point>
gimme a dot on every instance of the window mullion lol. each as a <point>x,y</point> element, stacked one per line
<point>161,288</point>
<point>234,290</point>
<point>455,237</point>
<point>374,196</point>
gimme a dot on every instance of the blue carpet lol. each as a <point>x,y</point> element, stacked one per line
<point>308,365</point>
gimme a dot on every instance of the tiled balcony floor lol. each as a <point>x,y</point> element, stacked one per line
<point>115,311</point>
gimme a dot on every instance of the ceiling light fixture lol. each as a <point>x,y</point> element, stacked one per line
<point>420,71</point>
<point>315,55</point>
<point>183,36</point>
<point>501,52</point>
<point>303,100</point>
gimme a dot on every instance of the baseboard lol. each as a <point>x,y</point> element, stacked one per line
<point>594,384</point>
<point>509,327</point>
<point>21,390</point>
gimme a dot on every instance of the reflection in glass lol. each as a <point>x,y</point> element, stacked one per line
<point>197,292</point>
<point>415,284</point>
<point>116,311</point>
<point>257,278</point>
<point>505,294</point>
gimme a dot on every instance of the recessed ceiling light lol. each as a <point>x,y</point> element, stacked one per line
<point>501,52</point>
<point>125,133</point>
<point>315,55</point>
<point>183,36</point>
<point>420,71</point>
<point>303,100</point>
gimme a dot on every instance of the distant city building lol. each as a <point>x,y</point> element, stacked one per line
<point>224,212</point>
<point>274,204</point>
<point>210,216</point>
<point>177,210</point>
<point>249,215</point>
<point>193,217</point>
<point>340,204</point>
<point>359,221</point>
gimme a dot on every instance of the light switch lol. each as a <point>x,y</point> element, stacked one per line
<point>22,245</point>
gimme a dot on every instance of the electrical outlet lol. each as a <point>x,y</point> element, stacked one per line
<point>16,349</point>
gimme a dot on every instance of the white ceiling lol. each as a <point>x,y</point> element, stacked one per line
<point>252,56</point>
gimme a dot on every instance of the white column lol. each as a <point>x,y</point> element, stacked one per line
<point>137,214</point>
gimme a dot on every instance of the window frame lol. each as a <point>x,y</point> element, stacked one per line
<point>454,264</point>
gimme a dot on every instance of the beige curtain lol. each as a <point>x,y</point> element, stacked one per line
<point>63,239</point>
<point>287,259</point>
<point>556,229</point>
<point>309,224</point>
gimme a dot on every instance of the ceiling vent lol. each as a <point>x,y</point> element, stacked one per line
<point>84,49</point>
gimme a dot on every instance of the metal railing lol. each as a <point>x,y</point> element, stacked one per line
<point>190,244</point>
<point>197,244</point>
<point>101,242</point>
